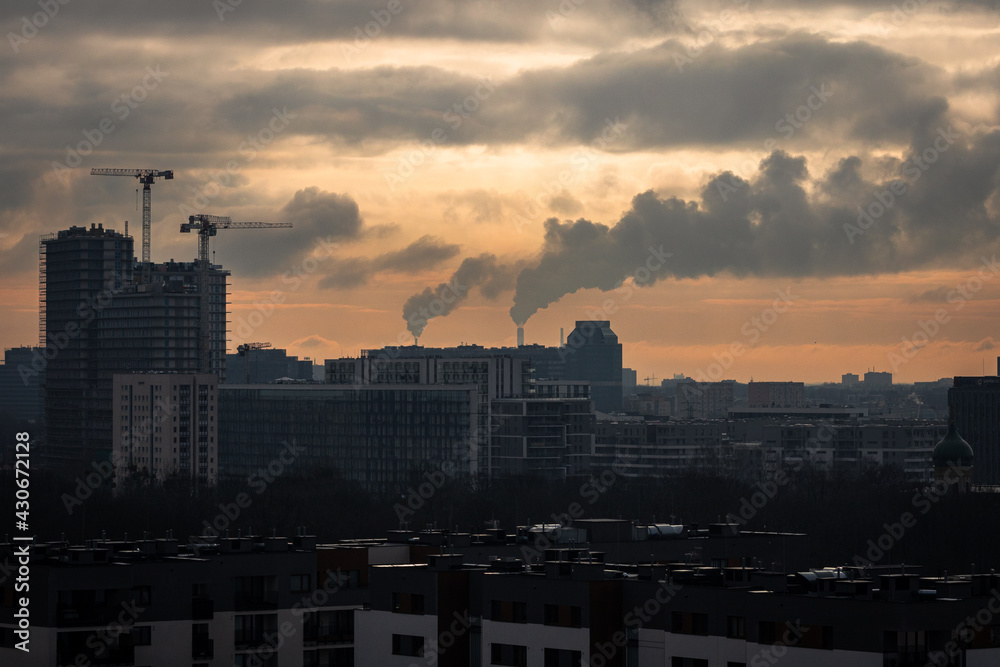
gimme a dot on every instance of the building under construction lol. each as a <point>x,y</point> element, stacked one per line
<point>102,313</point>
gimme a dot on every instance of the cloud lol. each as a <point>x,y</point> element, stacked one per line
<point>424,253</point>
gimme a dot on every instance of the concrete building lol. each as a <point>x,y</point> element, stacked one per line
<point>630,381</point>
<point>166,425</point>
<point>776,394</point>
<point>849,379</point>
<point>98,318</point>
<point>704,400</point>
<point>974,403</point>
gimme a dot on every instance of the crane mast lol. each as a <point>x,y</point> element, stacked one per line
<point>147,177</point>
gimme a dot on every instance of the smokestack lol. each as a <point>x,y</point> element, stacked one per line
<point>520,336</point>
<point>562,342</point>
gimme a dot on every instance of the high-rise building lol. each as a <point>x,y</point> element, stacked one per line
<point>98,318</point>
<point>166,424</point>
<point>974,403</point>
<point>593,354</point>
<point>265,366</point>
<point>704,400</point>
<point>878,379</point>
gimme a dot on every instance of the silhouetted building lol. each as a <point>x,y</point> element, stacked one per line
<point>953,461</point>
<point>974,403</point>
<point>630,381</point>
<point>593,354</point>
<point>98,319</point>
<point>267,366</point>
<point>878,379</point>
<point>21,384</point>
<point>849,379</point>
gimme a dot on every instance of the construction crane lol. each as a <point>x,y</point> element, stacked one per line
<point>208,226</point>
<point>244,351</point>
<point>146,177</point>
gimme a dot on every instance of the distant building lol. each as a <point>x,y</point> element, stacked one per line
<point>593,354</point>
<point>629,380</point>
<point>166,425</point>
<point>704,400</point>
<point>776,394</point>
<point>878,379</point>
<point>266,366</point>
<point>974,403</point>
<point>21,384</point>
<point>849,379</point>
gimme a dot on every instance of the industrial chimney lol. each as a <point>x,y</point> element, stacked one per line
<point>520,336</point>
<point>562,342</point>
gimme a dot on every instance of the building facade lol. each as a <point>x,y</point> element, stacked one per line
<point>166,425</point>
<point>974,403</point>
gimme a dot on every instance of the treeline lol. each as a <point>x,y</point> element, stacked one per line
<point>877,517</point>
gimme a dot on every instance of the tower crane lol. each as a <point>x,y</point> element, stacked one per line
<point>146,177</point>
<point>208,226</point>
<point>244,351</point>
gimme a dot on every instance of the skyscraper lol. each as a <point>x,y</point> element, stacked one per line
<point>98,318</point>
<point>593,354</point>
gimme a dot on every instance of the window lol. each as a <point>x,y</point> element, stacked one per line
<point>556,657</point>
<point>509,612</point>
<point>565,616</point>
<point>407,603</point>
<point>142,635</point>
<point>408,645</point>
<point>511,655</point>
<point>736,627</point>
<point>300,583</point>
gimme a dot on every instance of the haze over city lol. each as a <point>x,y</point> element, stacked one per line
<point>817,185</point>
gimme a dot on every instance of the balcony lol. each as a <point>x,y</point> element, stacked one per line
<point>202,648</point>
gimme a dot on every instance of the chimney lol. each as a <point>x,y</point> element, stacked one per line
<point>520,336</point>
<point>562,342</point>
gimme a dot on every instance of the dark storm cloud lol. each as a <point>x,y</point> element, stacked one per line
<point>725,96</point>
<point>320,220</point>
<point>424,253</point>
<point>932,212</point>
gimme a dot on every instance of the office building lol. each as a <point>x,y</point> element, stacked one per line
<point>166,425</point>
<point>382,436</point>
<point>877,379</point>
<point>548,437</point>
<point>593,354</point>
<point>263,366</point>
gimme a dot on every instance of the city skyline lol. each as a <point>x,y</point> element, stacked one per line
<point>786,195</point>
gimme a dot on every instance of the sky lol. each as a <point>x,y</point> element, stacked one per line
<point>762,189</point>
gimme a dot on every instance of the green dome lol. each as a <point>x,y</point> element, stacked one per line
<point>952,450</point>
